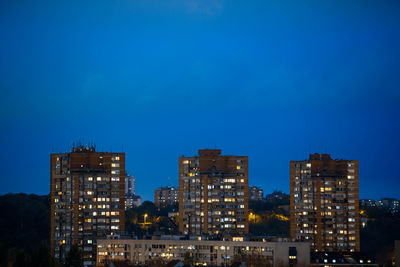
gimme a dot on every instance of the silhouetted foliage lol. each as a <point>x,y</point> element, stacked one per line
<point>41,257</point>
<point>25,220</point>
<point>24,231</point>
<point>74,257</point>
<point>266,209</point>
<point>134,218</point>
<point>271,227</point>
<point>188,259</point>
<point>377,239</point>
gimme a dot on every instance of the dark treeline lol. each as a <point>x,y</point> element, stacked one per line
<point>24,233</point>
<point>377,238</point>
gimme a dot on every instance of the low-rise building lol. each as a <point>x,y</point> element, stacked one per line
<point>256,193</point>
<point>202,252</point>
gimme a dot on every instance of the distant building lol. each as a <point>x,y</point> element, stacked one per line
<point>166,196</point>
<point>324,203</point>
<point>130,182</point>
<point>276,195</point>
<point>173,214</point>
<point>255,193</point>
<point>213,194</point>
<point>397,253</point>
<point>132,202</point>
<point>87,200</point>
<point>391,204</point>
<point>131,199</point>
<point>367,202</point>
<point>151,252</point>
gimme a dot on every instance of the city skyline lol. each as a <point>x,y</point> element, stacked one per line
<point>148,194</point>
<point>273,81</point>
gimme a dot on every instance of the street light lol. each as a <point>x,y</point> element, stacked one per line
<point>145,216</point>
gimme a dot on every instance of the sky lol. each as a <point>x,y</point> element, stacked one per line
<point>158,79</point>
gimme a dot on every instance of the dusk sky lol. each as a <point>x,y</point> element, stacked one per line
<point>158,79</point>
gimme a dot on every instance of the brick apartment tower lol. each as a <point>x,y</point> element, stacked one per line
<point>213,194</point>
<point>87,200</point>
<point>324,203</point>
<point>165,196</point>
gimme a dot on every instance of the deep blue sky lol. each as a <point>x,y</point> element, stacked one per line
<point>274,80</point>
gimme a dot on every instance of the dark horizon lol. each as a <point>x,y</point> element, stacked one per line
<point>275,81</point>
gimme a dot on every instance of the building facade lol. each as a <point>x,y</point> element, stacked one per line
<point>213,194</point>
<point>87,200</point>
<point>256,193</point>
<point>131,200</point>
<point>324,204</point>
<point>166,196</point>
<point>203,252</point>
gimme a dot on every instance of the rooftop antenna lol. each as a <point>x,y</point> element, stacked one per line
<point>169,178</point>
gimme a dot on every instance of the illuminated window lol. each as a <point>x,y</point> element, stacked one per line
<point>90,178</point>
<point>98,178</point>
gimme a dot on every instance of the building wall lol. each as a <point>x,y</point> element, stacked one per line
<point>130,182</point>
<point>256,193</point>
<point>87,199</point>
<point>213,194</point>
<point>165,196</point>
<point>324,204</point>
<point>212,253</point>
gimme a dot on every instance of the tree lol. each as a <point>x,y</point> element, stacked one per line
<point>74,257</point>
<point>188,259</point>
<point>41,257</point>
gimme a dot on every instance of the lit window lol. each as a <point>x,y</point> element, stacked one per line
<point>98,178</point>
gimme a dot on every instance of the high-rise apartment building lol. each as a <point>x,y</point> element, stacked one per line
<point>131,200</point>
<point>213,194</point>
<point>255,193</point>
<point>130,182</point>
<point>324,203</point>
<point>87,200</point>
<point>166,196</point>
